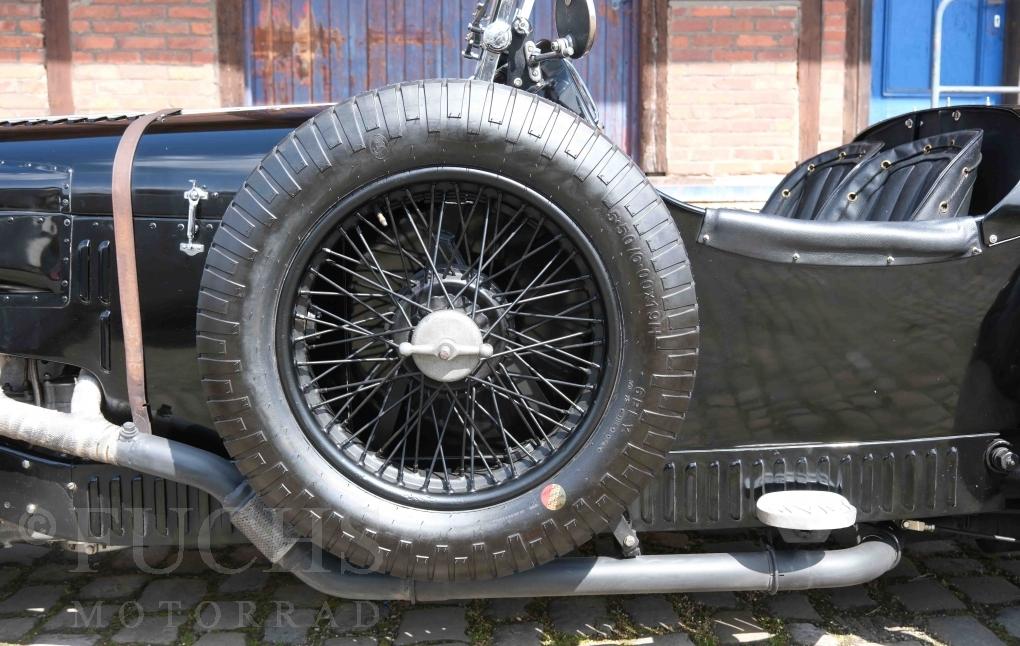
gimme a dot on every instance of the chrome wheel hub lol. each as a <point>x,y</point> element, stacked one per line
<point>446,346</point>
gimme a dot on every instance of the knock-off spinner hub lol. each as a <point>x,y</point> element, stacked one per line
<point>446,346</point>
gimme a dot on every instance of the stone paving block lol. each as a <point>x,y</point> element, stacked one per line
<point>925,595</point>
<point>300,595</point>
<point>738,627</point>
<point>22,553</point>
<point>504,609</point>
<point>804,634</point>
<point>225,615</point>
<point>517,635</point>
<point>793,605</point>
<point>352,640</point>
<point>950,566</point>
<point>49,573</point>
<point>928,548</point>
<point>1010,620</point>
<point>83,616</point>
<point>651,611</point>
<point>581,616</point>
<point>57,639</point>
<point>251,580</point>
<point>113,587</point>
<point>15,628</point>
<point>172,594</point>
<point>161,629</point>
<point>446,623</point>
<point>221,639</point>
<point>987,589</point>
<point>140,558</point>
<point>905,569</point>
<point>726,600</point>
<point>962,631</point>
<point>36,599</point>
<point>855,598</point>
<point>672,639</point>
<point>285,625</point>
<point>355,616</point>
<point>191,562</point>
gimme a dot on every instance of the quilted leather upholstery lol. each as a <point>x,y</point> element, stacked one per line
<point>920,180</point>
<point>806,189</point>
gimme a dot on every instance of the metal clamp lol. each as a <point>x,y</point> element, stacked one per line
<point>193,195</point>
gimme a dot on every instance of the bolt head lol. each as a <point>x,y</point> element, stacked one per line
<point>71,486</point>
<point>25,464</point>
<point>30,508</point>
<point>992,239</point>
<point>630,541</point>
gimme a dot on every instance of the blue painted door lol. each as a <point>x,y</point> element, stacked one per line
<point>306,51</point>
<point>972,52</point>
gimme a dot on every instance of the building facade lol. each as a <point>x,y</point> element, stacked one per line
<point>717,98</point>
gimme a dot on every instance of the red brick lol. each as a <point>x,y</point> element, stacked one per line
<point>89,41</point>
<point>191,13</point>
<point>142,42</point>
<point>32,26</point>
<point>712,40</point>
<point>710,11</point>
<point>774,24</point>
<point>24,9</point>
<point>117,56</point>
<point>756,40</point>
<point>165,56</point>
<point>10,41</point>
<point>94,11</point>
<point>135,11</point>
<point>732,25</point>
<point>80,26</point>
<point>204,57</point>
<point>202,28</point>
<point>775,55</point>
<point>114,26</point>
<point>166,27</point>
<point>188,42</point>
<point>732,55</point>
<point>691,24</point>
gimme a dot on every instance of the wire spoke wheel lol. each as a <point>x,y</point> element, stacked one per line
<point>448,339</point>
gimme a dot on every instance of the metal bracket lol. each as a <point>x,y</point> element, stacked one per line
<point>627,538</point>
<point>193,195</point>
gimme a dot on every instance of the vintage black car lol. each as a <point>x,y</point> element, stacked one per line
<point>446,332</point>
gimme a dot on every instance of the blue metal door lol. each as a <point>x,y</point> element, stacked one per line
<point>972,52</point>
<point>304,51</point>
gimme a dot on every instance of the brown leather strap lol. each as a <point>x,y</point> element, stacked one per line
<point>127,268</point>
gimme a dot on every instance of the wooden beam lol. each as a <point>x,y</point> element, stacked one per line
<point>653,57</point>
<point>809,75</point>
<point>230,35</point>
<point>857,83</point>
<point>57,44</point>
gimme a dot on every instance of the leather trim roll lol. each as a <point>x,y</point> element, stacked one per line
<point>846,243</point>
<point>127,267</point>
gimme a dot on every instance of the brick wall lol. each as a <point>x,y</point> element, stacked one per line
<point>143,55</point>
<point>733,91</point>
<point>22,70</point>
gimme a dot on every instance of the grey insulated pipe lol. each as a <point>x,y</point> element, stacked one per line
<point>86,434</point>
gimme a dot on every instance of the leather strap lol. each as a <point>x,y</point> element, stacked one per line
<point>127,267</point>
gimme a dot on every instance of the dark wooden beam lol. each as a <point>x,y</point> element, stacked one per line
<point>653,56</point>
<point>230,36</point>
<point>857,82</point>
<point>809,75</point>
<point>57,44</point>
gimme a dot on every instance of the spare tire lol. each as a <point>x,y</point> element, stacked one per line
<point>448,329</point>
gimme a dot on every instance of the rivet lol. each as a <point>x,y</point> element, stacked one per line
<point>889,260</point>
<point>796,257</point>
<point>976,251</point>
<point>71,486</point>
<point>842,155</point>
<point>944,207</point>
<point>705,238</point>
<point>786,192</point>
<point>886,163</point>
<point>966,170</point>
<point>852,197</point>
<point>67,222</point>
<point>518,82</point>
<point>909,123</point>
<point>992,239</point>
<point>180,227</point>
<point>811,168</point>
<point>956,115</point>
<point>927,149</point>
<point>25,464</point>
<point>7,504</point>
<point>30,508</point>
<point>152,225</point>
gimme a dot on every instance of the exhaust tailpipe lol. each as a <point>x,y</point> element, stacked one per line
<point>86,434</point>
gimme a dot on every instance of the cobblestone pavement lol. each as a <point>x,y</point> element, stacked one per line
<point>943,592</point>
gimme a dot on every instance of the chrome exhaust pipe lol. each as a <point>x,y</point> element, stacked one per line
<point>86,434</point>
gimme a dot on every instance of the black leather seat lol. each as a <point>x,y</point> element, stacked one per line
<point>809,186</point>
<point>920,180</point>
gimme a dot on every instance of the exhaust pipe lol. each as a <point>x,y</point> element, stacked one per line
<point>86,434</point>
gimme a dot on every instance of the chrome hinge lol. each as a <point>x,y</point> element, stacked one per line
<point>193,195</point>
